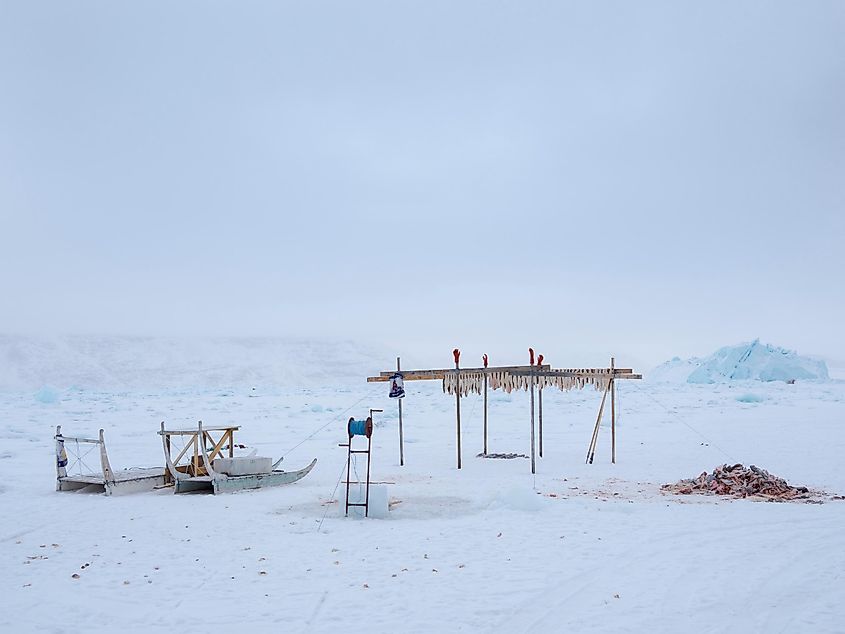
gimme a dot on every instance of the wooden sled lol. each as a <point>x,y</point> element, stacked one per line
<point>192,470</point>
<point>75,474</point>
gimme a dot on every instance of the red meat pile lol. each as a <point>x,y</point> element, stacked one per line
<point>739,481</point>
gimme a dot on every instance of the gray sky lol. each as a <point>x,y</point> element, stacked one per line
<point>640,179</point>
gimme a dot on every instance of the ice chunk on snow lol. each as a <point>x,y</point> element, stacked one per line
<point>47,395</point>
<point>750,398</point>
<point>378,505</point>
<point>519,499</point>
<point>757,361</point>
<point>746,361</point>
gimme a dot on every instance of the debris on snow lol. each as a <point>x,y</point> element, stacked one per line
<point>739,481</point>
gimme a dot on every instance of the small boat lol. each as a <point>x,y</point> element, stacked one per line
<point>207,469</point>
<point>75,474</point>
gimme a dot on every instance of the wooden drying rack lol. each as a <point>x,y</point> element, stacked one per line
<point>611,374</point>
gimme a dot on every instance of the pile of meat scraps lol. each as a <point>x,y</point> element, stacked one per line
<point>738,481</point>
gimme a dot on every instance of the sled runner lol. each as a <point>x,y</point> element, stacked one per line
<point>202,466</point>
<point>73,473</point>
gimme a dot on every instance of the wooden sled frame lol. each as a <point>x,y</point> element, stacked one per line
<point>198,473</point>
<point>192,465</point>
<point>107,480</point>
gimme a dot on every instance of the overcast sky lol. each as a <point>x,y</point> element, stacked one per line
<point>642,179</point>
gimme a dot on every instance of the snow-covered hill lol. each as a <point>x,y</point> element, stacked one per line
<point>157,362</point>
<point>745,361</point>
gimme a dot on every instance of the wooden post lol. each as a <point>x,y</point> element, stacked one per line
<point>591,452</point>
<point>540,417</point>
<point>457,354</point>
<point>485,412</point>
<point>401,438</point>
<point>369,454</point>
<point>484,359</point>
<point>540,414</point>
<point>612,412</point>
<point>196,454</point>
<point>167,477</point>
<point>533,469</point>
<point>348,467</point>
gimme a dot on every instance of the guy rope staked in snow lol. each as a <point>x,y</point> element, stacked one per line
<point>534,376</point>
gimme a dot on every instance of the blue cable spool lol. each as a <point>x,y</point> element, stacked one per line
<point>360,427</point>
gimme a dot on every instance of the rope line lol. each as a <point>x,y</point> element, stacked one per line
<point>680,418</point>
<point>79,458</point>
<point>329,503</point>
<point>331,420</point>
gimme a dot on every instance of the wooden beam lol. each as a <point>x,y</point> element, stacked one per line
<point>184,449</point>
<point>401,436</point>
<point>191,432</point>
<point>435,375</point>
<point>458,415</point>
<point>485,414</point>
<point>591,452</point>
<point>540,418</point>
<point>567,371</point>
<point>503,368</point>
<point>612,416</point>
<point>217,446</point>
<point>533,468</point>
<point>597,370</point>
<point>577,374</point>
<point>415,375</point>
<point>431,375</point>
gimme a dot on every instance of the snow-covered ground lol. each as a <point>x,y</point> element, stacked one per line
<point>487,548</point>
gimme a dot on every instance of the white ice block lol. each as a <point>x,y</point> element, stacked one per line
<point>243,465</point>
<point>379,498</point>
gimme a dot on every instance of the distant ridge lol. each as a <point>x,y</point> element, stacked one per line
<point>114,362</point>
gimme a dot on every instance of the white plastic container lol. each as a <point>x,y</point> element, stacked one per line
<point>243,465</point>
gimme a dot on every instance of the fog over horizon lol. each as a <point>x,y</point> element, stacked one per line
<point>641,180</point>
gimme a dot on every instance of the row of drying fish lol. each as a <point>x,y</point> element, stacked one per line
<point>470,381</point>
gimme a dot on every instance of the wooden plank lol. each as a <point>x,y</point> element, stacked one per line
<point>401,435</point>
<point>586,374</point>
<point>217,448</point>
<point>184,450</point>
<point>540,418</point>
<point>591,452</point>
<point>503,368</point>
<point>439,375</point>
<point>533,468</point>
<point>458,404</point>
<point>612,416</point>
<point>385,379</point>
<point>485,414</point>
<point>418,375</point>
<point>519,370</point>
<point>82,440</point>
<point>608,371</point>
<point>189,432</point>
